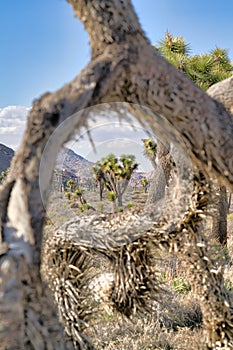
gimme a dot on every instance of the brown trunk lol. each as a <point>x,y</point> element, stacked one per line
<point>161,174</point>
<point>219,225</point>
<point>229,203</point>
<point>114,207</point>
<point>101,190</point>
<point>164,159</point>
<point>28,315</point>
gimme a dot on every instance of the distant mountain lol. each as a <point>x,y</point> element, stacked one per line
<point>73,164</point>
<point>137,176</point>
<point>70,162</point>
<point>6,155</point>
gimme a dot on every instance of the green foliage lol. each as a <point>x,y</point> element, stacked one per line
<point>180,285</point>
<point>175,45</point>
<point>3,175</point>
<point>129,205</point>
<point>145,183</point>
<point>108,317</point>
<point>72,185</point>
<point>113,167</point>
<point>228,284</point>
<point>119,209</point>
<point>68,194</point>
<point>84,207</point>
<point>115,173</point>
<point>150,149</point>
<point>111,196</point>
<point>205,70</point>
<point>101,207</point>
<point>79,191</point>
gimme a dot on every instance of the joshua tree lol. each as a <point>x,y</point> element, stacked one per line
<point>205,70</point>
<point>144,182</point>
<point>123,68</point>
<point>150,151</point>
<point>71,185</point>
<point>78,193</point>
<point>97,172</point>
<point>115,173</point>
<point>112,199</point>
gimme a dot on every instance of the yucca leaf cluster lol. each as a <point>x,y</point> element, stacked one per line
<point>204,69</point>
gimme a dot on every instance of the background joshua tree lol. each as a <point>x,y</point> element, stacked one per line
<point>71,185</point>
<point>145,183</point>
<point>4,174</point>
<point>205,70</point>
<point>150,151</point>
<point>98,174</point>
<point>123,68</point>
<point>115,174</point>
<point>78,193</point>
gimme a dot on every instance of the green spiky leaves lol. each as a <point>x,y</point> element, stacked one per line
<point>204,69</point>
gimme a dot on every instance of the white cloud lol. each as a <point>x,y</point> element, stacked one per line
<point>7,129</point>
<point>111,136</point>
<point>12,124</point>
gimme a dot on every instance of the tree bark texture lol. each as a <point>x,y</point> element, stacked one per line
<point>219,224</point>
<point>124,68</point>
<point>222,91</point>
<point>161,174</point>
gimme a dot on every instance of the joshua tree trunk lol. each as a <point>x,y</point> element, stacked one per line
<point>101,189</point>
<point>229,203</point>
<point>219,225</point>
<point>223,92</point>
<point>114,206</point>
<point>121,188</point>
<point>161,173</point>
<point>124,68</point>
<point>119,200</point>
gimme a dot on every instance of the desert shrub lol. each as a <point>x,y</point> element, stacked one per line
<point>228,284</point>
<point>101,206</point>
<point>79,191</point>
<point>180,285</point>
<point>111,196</point>
<point>3,175</point>
<point>119,208</point>
<point>85,206</point>
<point>129,205</point>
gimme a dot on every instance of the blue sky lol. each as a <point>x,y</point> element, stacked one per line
<point>43,46</point>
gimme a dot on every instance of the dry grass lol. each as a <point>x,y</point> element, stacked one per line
<point>177,320</point>
<point>140,335</point>
<point>176,324</point>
